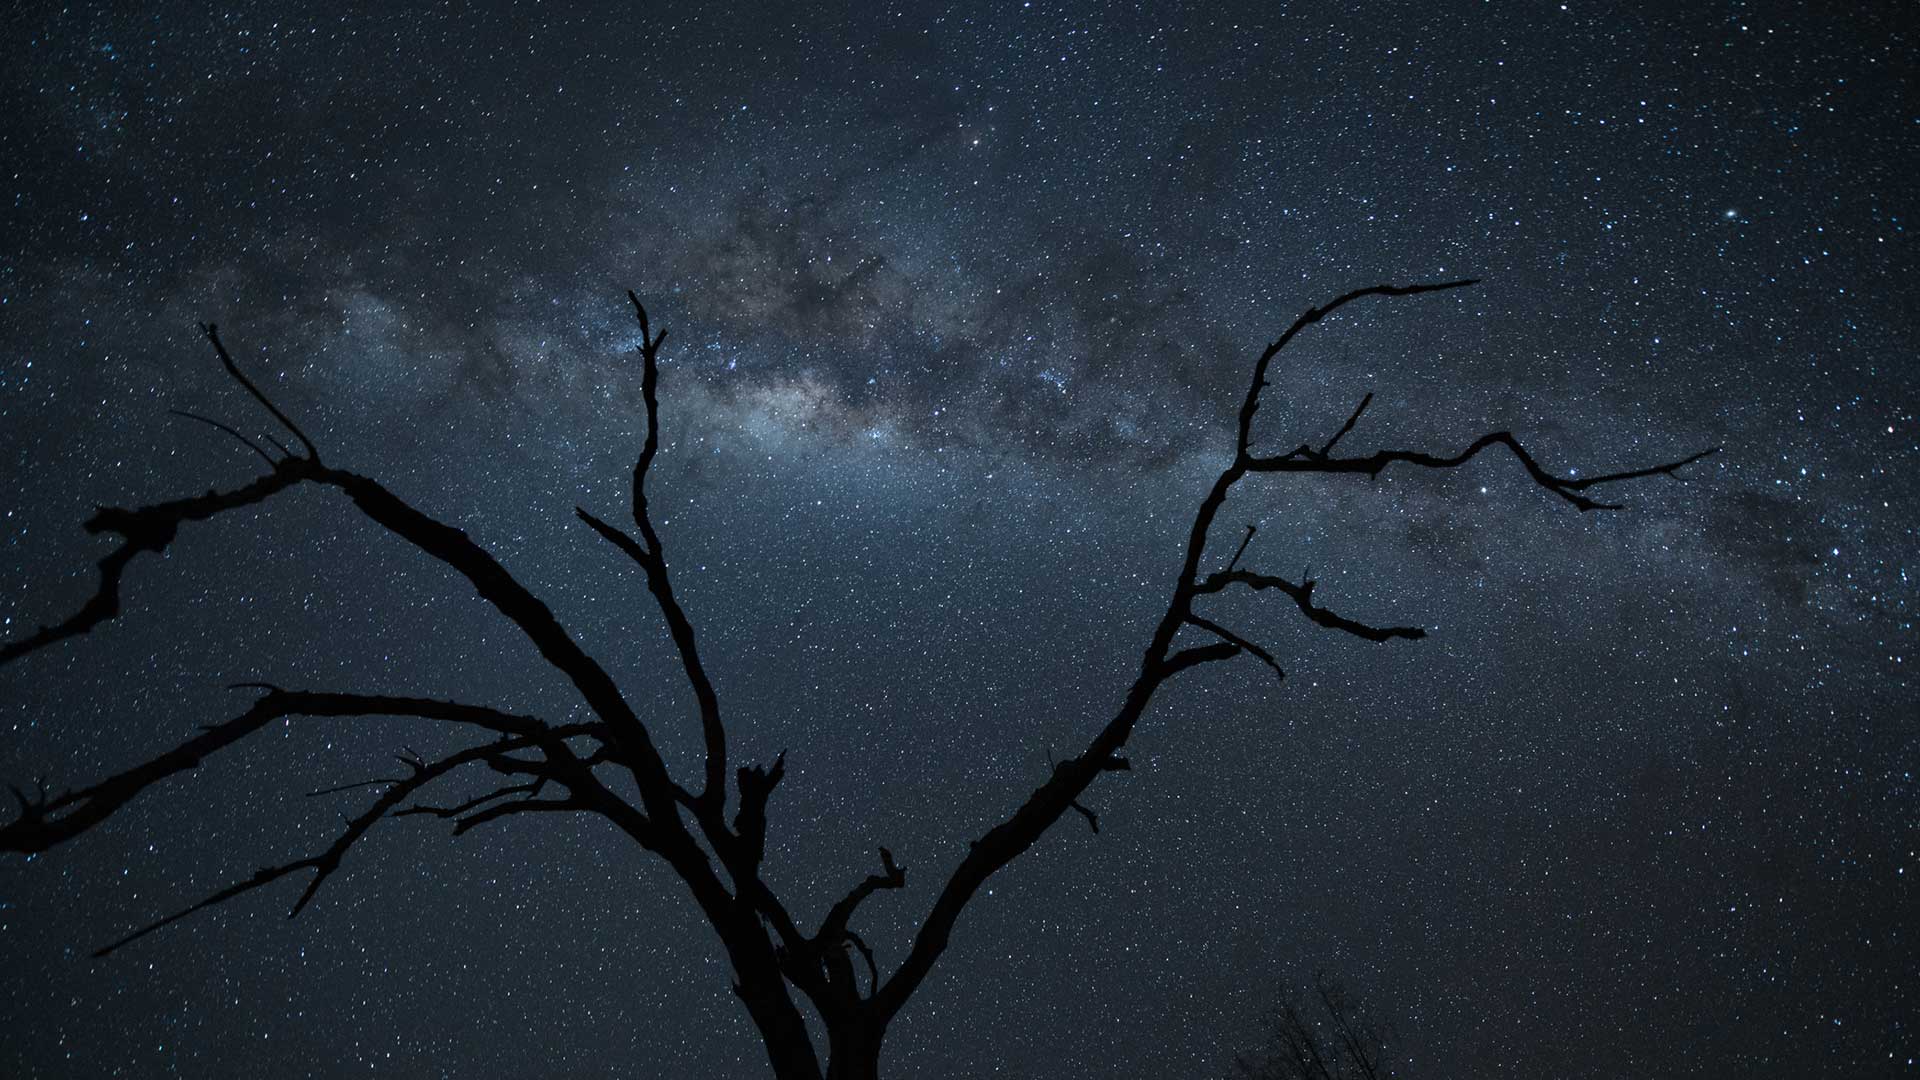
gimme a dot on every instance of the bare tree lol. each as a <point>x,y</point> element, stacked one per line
<point>1346,1043</point>
<point>609,765</point>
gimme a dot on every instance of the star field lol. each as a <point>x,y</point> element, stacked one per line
<point>961,303</point>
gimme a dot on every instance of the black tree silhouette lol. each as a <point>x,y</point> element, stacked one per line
<point>1344,1043</point>
<point>610,765</point>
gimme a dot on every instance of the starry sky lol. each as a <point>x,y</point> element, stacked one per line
<point>961,301</point>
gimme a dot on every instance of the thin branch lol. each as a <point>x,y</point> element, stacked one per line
<point>1567,487</point>
<point>1200,654</point>
<point>1242,549</point>
<point>356,786</point>
<point>1093,819</point>
<point>619,538</point>
<point>326,862</point>
<point>1302,595</point>
<point>218,426</point>
<point>1231,638</point>
<point>528,789</point>
<point>1311,316</point>
<point>649,394</point>
<point>233,369</point>
<point>713,793</point>
<point>873,969</point>
<point>1346,427</point>
<point>521,806</point>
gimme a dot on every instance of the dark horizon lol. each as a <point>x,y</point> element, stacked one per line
<point>961,307</point>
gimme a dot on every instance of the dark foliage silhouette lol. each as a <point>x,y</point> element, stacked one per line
<point>610,765</point>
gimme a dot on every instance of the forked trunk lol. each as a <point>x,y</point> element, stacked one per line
<point>853,1050</point>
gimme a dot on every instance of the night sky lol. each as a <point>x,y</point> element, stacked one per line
<point>961,301</point>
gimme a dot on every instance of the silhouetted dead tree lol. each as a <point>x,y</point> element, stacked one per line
<point>1344,1044</point>
<point>611,766</point>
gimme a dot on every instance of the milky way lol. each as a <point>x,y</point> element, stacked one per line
<point>961,302</point>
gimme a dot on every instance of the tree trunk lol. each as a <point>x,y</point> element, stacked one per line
<point>789,1048</point>
<point>853,1051</point>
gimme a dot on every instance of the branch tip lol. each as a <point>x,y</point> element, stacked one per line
<point>226,360</point>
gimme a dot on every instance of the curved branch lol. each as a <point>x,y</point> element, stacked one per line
<point>1024,827</point>
<point>649,393</point>
<point>528,612</point>
<point>1308,318</point>
<point>522,806</point>
<point>834,926</point>
<point>649,553</point>
<point>228,429</point>
<point>873,969</point>
<point>47,822</point>
<point>618,537</point>
<point>529,789</point>
<point>152,528</point>
<point>144,528</point>
<point>233,369</point>
<point>326,862</point>
<point>1093,819</point>
<point>1567,487</point>
<point>1302,595</point>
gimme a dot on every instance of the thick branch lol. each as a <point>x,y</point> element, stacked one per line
<point>750,823</point>
<point>534,618</point>
<point>659,828</point>
<point>834,926</point>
